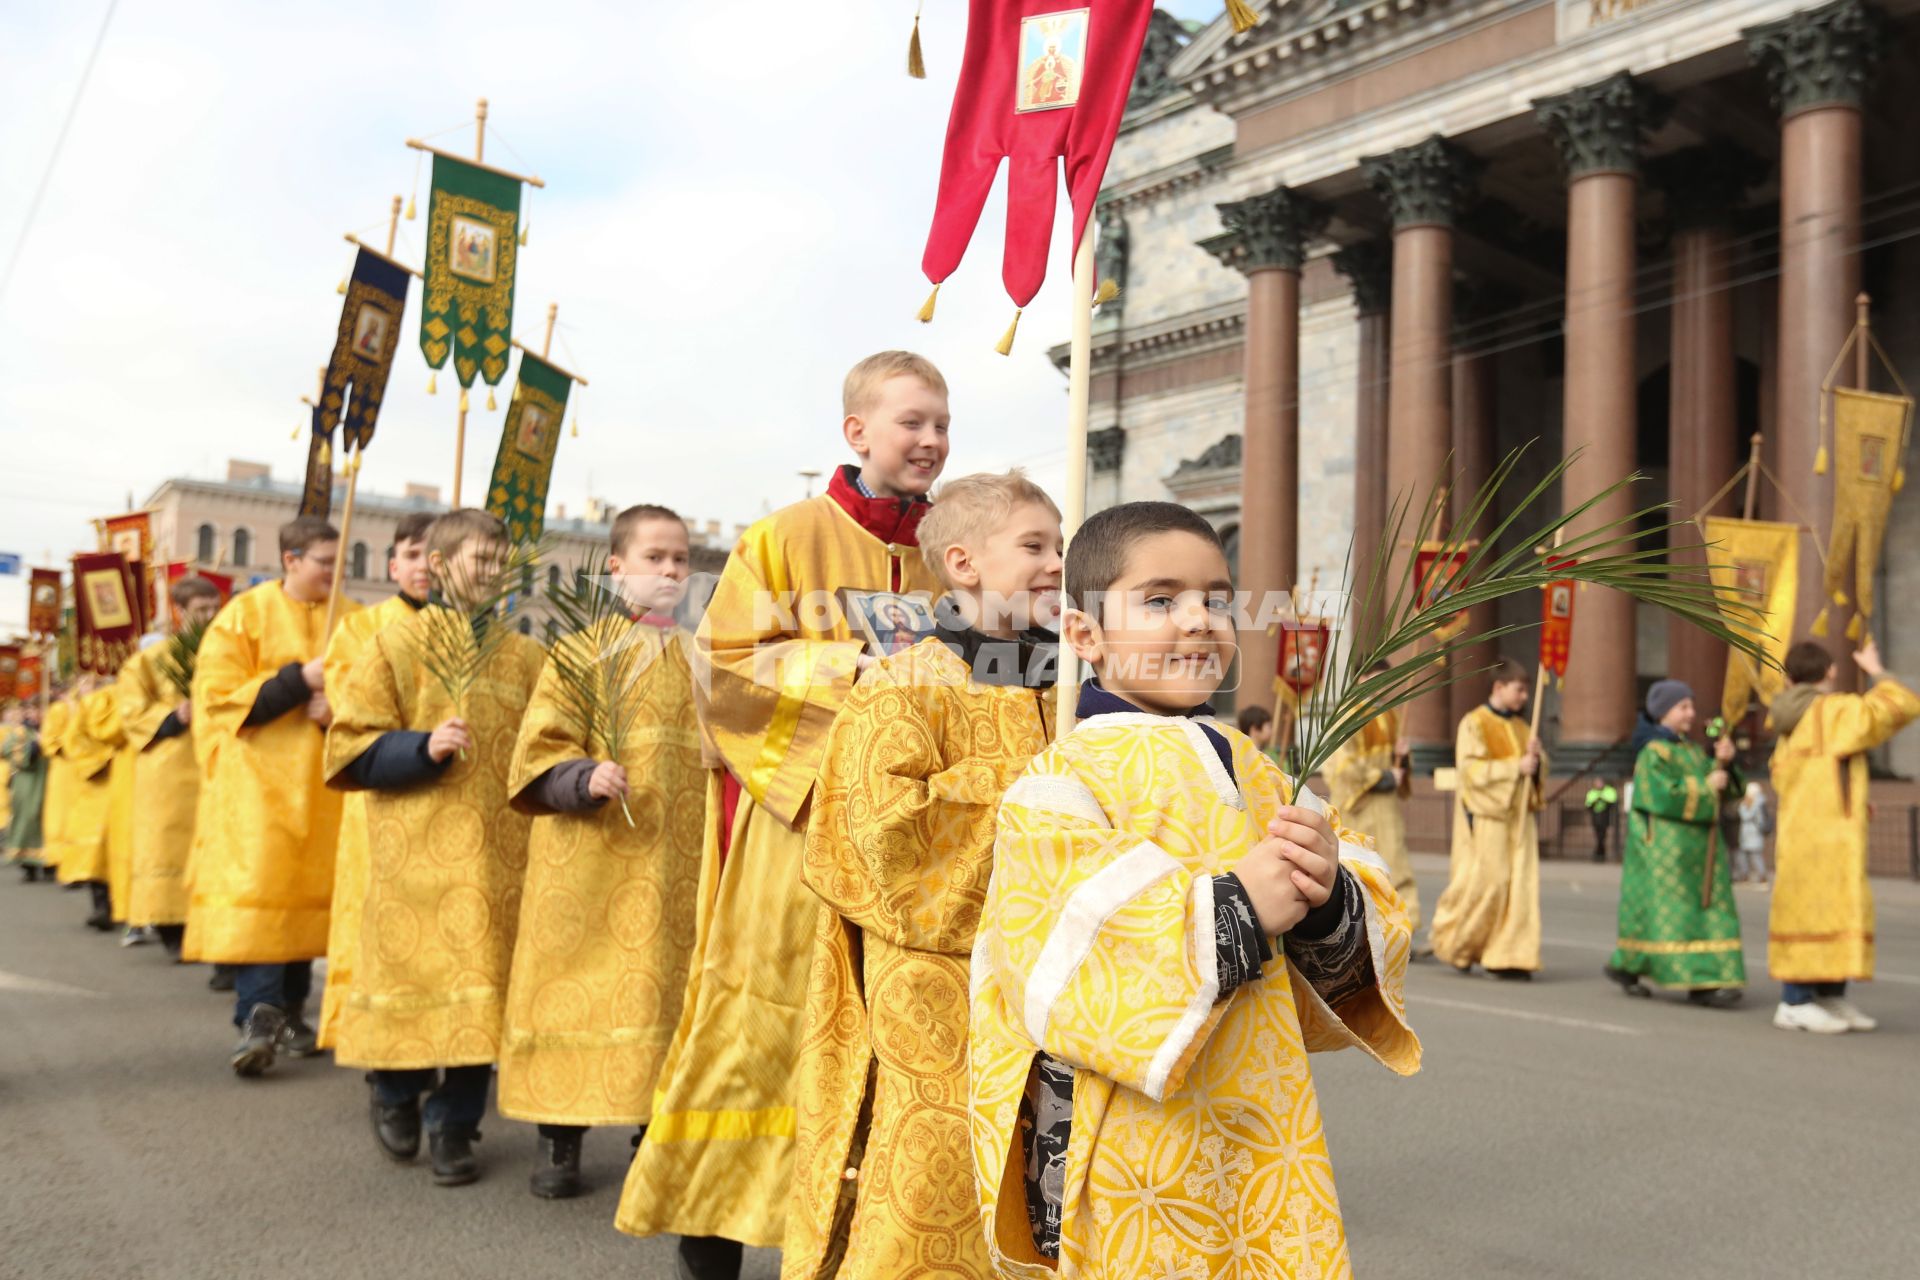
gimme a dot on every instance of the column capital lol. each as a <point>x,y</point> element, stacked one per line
<point>1820,57</point>
<point>1426,183</point>
<point>1705,185</point>
<point>1267,231</point>
<point>1368,267</point>
<point>1598,127</point>
<point>1105,448</point>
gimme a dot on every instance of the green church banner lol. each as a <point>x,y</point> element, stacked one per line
<point>524,465</point>
<point>473,228</point>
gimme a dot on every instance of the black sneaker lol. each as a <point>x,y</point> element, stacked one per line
<point>397,1129</point>
<point>556,1170</point>
<point>1629,982</point>
<point>454,1164</point>
<point>1714,997</point>
<point>707,1258</point>
<point>297,1039</point>
<point>254,1054</point>
<point>221,979</point>
<point>1512,975</point>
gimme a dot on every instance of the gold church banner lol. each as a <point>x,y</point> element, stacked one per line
<point>1756,570</point>
<point>1869,440</point>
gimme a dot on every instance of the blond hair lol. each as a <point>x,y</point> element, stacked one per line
<point>969,508</point>
<point>456,528</point>
<point>864,379</point>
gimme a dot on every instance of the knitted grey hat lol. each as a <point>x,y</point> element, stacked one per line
<point>1665,696</point>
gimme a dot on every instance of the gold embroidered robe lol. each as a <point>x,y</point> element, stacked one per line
<point>1820,922</point>
<point>1356,768</point>
<point>166,786</point>
<point>1490,911</point>
<point>348,642</point>
<point>54,808</point>
<point>87,746</point>
<point>718,1155</point>
<point>899,846</point>
<point>444,860</point>
<point>1195,1123</point>
<point>261,870</point>
<point>120,816</point>
<point>606,916</point>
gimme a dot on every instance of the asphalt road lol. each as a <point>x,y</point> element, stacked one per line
<point>1557,1130</point>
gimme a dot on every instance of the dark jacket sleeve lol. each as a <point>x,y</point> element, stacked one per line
<point>561,789</point>
<point>283,693</point>
<point>1334,957</point>
<point>397,759</point>
<point>1240,944</point>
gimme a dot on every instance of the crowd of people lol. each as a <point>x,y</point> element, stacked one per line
<point>880,967</point>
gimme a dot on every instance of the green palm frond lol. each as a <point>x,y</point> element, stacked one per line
<point>182,651</point>
<point>597,658</point>
<point>1385,621</point>
<point>456,637</point>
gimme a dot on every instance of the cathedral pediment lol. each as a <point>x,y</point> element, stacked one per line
<point>1294,34</point>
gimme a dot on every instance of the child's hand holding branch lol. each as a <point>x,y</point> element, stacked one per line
<point>607,781</point>
<point>452,735</point>
<point>1292,870</point>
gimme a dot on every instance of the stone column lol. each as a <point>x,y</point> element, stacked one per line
<point>1473,458</point>
<point>1598,130</point>
<point>1369,267</point>
<point>1266,238</point>
<point>1704,187</point>
<point>1818,63</point>
<point>1424,187</point>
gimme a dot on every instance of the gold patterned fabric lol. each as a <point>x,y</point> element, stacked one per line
<point>607,914</point>
<point>120,813</point>
<point>718,1156</point>
<point>55,807</point>
<point>89,790</point>
<point>1196,1146</point>
<point>1755,565</point>
<point>445,860</point>
<point>1820,924</point>
<point>899,846</point>
<point>166,786</point>
<point>261,869</point>
<point>1356,768</point>
<point>1489,913</point>
<point>348,642</point>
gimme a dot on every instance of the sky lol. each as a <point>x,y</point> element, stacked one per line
<point>734,214</point>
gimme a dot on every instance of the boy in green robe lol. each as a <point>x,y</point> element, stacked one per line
<point>1678,925</point>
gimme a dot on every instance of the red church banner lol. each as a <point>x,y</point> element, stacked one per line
<point>1556,619</point>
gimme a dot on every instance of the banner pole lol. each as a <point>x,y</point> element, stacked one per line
<point>553,312</point>
<point>459,448</point>
<point>340,559</point>
<point>1079,395</point>
<point>480,130</point>
<point>1753,479</point>
<point>393,225</point>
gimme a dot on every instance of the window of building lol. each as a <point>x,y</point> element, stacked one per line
<point>203,544</point>
<point>553,578</point>
<point>242,547</point>
<point>357,566</point>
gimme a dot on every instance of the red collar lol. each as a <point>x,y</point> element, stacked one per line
<point>895,521</point>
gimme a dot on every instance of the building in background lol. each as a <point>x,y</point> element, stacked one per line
<point>1367,236</point>
<point>233,525</point>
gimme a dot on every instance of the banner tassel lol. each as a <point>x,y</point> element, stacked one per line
<point>1820,461</point>
<point>1840,598</point>
<point>576,426</point>
<point>341,288</point>
<point>926,308</point>
<point>433,383</point>
<point>916,65</point>
<point>1109,290</point>
<point>1899,479</point>
<point>1005,345</point>
<point>463,399</point>
<point>490,404</point>
<point>295,435</point>
<point>1244,18</point>
<point>1853,629</point>
<point>524,228</point>
<point>1819,627</point>
<point>326,454</point>
<point>410,213</point>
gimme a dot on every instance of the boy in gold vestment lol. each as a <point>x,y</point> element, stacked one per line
<point>1490,911</point>
<point>157,718</point>
<point>1820,922</point>
<point>265,825</point>
<point>1171,926</point>
<point>407,568</point>
<point>774,660</point>
<point>898,847</point>
<point>613,865</point>
<point>445,853</point>
<point>92,727</point>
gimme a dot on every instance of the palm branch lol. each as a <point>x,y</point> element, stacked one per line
<point>456,637</point>
<point>597,658</point>
<point>176,661</point>
<point>1386,621</point>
